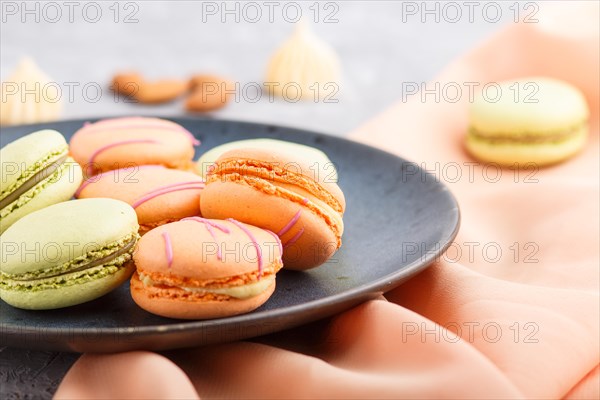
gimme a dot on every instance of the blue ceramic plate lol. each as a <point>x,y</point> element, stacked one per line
<point>398,220</point>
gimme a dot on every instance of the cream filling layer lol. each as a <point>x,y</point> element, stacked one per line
<point>33,181</point>
<point>29,195</point>
<point>529,138</point>
<point>28,173</point>
<point>94,258</point>
<point>239,292</point>
<point>68,279</point>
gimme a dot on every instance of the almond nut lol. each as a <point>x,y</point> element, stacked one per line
<point>160,91</point>
<point>201,101</point>
<point>209,92</point>
<point>127,84</point>
<point>200,80</point>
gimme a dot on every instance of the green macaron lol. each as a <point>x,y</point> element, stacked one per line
<point>68,253</point>
<point>36,172</point>
<point>535,120</point>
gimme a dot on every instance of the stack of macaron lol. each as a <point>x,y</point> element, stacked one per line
<point>205,239</point>
<point>197,242</point>
<point>58,252</point>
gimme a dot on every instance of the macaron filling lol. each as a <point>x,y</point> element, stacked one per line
<point>316,204</point>
<point>32,169</point>
<point>239,292</point>
<point>92,265</point>
<point>274,174</point>
<point>30,182</point>
<point>527,138</point>
<point>68,279</point>
<point>32,193</point>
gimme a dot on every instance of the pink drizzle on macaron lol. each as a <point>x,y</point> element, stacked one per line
<point>205,221</point>
<point>305,201</point>
<point>278,241</point>
<point>209,225</point>
<point>254,242</point>
<point>168,248</point>
<point>293,239</point>
<point>117,144</point>
<point>175,187</point>
<point>290,224</point>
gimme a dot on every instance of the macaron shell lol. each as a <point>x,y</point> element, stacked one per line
<point>67,296</point>
<point>55,191</point>
<point>176,303</point>
<point>537,154</point>
<point>64,231</point>
<point>316,244</point>
<point>25,152</point>
<point>293,164</point>
<point>533,106</point>
<point>194,251</point>
<point>168,144</point>
<point>210,157</point>
<point>132,184</point>
<point>308,198</point>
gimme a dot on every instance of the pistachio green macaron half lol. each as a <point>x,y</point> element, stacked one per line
<point>535,120</point>
<point>68,253</point>
<point>36,172</point>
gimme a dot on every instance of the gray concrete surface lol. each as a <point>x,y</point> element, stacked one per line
<point>381,45</point>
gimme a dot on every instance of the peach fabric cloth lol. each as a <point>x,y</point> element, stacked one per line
<point>524,325</point>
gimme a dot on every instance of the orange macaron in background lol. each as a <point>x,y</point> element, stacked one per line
<point>201,268</point>
<point>159,195</point>
<point>287,188</point>
<point>125,142</point>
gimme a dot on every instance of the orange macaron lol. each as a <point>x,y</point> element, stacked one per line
<point>132,141</point>
<point>286,189</point>
<point>159,195</point>
<point>200,268</point>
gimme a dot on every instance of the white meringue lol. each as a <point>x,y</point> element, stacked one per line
<point>304,62</point>
<point>29,96</point>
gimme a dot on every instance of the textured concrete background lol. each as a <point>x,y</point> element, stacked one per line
<point>381,45</point>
